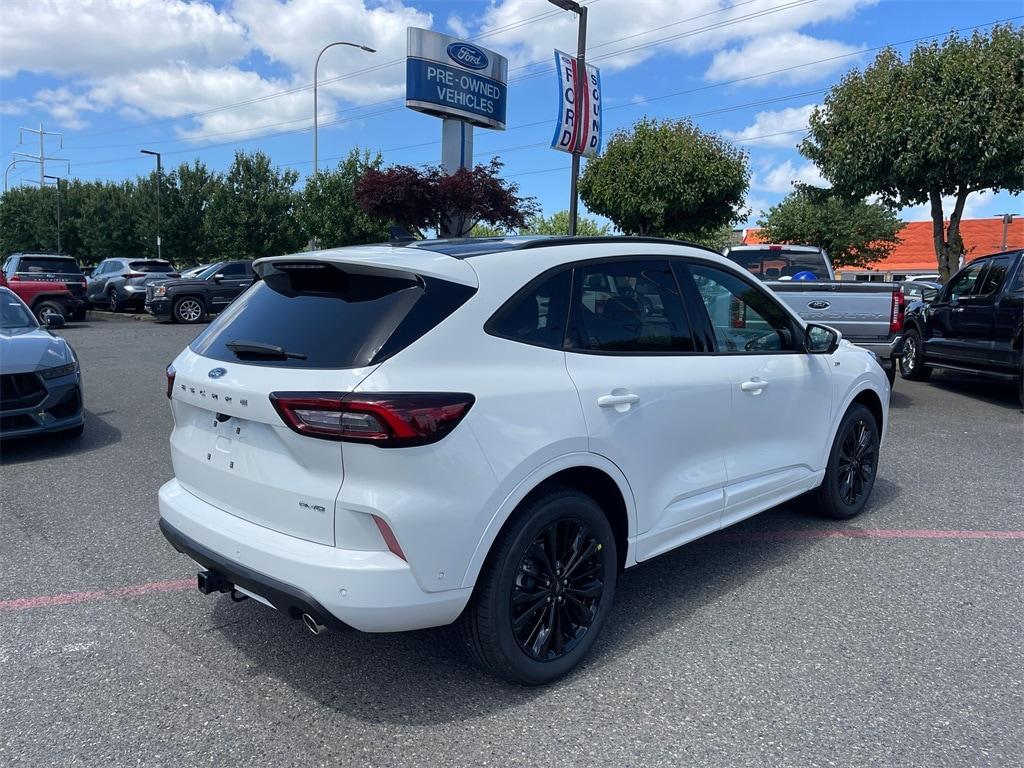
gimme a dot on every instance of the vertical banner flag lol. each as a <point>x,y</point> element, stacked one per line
<point>578,130</point>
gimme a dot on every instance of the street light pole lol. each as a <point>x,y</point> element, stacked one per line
<point>316,69</point>
<point>56,180</point>
<point>159,183</point>
<point>581,67</point>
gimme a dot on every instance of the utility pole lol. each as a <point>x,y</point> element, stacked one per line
<point>159,180</point>
<point>56,180</point>
<point>581,67</point>
<point>1007,221</point>
<point>41,158</point>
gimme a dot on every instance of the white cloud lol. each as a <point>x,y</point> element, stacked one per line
<point>624,33</point>
<point>108,36</point>
<point>775,52</point>
<point>776,127</point>
<point>781,178</point>
<point>457,26</point>
<point>60,104</point>
<point>292,32</point>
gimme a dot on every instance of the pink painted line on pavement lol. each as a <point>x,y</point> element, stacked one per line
<point>178,585</point>
<point>866,533</point>
<point>73,598</point>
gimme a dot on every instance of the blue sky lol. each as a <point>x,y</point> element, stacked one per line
<point>201,79</point>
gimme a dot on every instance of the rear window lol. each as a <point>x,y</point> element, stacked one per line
<point>321,316</point>
<point>780,264</point>
<point>150,266</point>
<point>48,265</point>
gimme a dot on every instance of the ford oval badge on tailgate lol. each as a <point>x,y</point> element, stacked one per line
<point>216,373</point>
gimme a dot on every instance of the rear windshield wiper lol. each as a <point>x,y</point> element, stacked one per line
<point>260,349</point>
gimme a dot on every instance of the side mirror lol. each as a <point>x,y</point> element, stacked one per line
<point>53,320</point>
<point>821,340</point>
<point>218,277</point>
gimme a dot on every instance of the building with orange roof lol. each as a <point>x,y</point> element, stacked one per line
<point>915,255</point>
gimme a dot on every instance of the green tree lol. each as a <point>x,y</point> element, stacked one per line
<point>558,224</point>
<point>948,121</point>
<point>667,178</point>
<point>186,239</point>
<point>853,233</point>
<point>27,220</point>
<point>329,211</point>
<point>252,210</point>
<point>107,224</point>
<point>487,230</point>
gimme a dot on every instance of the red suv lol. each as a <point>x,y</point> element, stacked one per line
<point>49,283</point>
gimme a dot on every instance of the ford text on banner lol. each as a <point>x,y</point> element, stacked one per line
<point>578,130</point>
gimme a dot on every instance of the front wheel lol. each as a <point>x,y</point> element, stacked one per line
<point>852,466</point>
<point>189,309</point>
<point>911,359</point>
<point>545,590</point>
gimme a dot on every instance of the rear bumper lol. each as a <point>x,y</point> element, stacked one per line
<point>369,590</point>
<point>886,350</point>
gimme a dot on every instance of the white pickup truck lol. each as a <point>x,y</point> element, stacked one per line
<point>869,315</point>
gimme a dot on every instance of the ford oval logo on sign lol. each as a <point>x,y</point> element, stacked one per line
<point>467,55</point>
<point>216,373</point>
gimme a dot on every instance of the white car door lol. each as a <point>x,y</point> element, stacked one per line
<point>653,404</point>
<point>781,395</point>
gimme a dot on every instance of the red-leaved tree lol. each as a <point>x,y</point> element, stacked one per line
<point>428,198</point>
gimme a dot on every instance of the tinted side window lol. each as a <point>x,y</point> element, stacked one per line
<point>743,319</point>
<point>234,271</point>
<point>995,276</point>
<point>628,306</point>
<point>537,314</point>
<point>963,281</point>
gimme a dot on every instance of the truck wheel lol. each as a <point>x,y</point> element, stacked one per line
<point>113,303</point>
<point>189,309</point>
<point>545,591</point>
<point>912,365</point>
<point>852,465</point>
<point>46,308</point>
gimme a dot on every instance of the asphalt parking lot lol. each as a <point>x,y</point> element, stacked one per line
<point>895,639</point>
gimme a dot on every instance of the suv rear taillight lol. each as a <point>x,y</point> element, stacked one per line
<point>390,420</point>
<point>171,373</point>
<point>899,306</point>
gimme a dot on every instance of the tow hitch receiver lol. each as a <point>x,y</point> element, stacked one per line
<point>211,581</point>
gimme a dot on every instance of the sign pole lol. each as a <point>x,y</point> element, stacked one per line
<point>581,67</point>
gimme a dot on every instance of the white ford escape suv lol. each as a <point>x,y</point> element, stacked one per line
<point>398,436</point>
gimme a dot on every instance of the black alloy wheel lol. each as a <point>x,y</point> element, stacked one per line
<point>911,358</point>
<point>557,590</point>
<point>852,466</point>
<point>545,590</point>
<point>858,459</point>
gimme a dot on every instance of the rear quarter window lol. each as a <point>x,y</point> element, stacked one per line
<point>330,318</point>
<point>150,266</point>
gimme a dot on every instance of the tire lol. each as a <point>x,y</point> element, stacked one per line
<point>851,470</point>
<point>49,307</point>
<point>517,571</point>
<point>911,359</point>
<point>113,303</point>
<point>189,310</point>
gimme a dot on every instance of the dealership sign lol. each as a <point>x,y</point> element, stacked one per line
<point>448,77</point>
<point>578,130</point>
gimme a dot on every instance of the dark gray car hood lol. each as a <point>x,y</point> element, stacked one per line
<point>24,350</point>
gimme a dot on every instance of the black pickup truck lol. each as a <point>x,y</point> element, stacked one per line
<point>189,300</point>
<point>974,324</point>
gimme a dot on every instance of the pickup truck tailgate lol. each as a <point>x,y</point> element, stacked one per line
<point>860,311</point>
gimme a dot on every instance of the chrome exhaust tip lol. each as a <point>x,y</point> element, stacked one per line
<point>312,624</point>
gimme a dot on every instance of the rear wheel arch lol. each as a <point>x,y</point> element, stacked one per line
<point>593,476</point>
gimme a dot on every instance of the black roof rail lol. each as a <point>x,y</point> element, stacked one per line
<point>594,240</point>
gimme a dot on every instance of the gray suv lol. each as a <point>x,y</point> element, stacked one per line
<point>118,284</point>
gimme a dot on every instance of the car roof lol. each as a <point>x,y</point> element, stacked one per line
<point>775,247</point>
<point>451,259</point>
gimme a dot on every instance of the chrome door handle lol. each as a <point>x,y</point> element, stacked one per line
<point>754,385</point>
<point>609,401</point>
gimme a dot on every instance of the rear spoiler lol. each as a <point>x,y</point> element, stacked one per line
<point>408,263</point>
